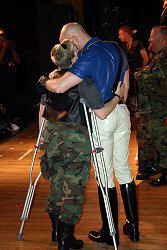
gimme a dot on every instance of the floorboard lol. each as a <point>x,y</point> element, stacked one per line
<point>15,161</point>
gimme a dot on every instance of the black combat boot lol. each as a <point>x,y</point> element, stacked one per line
<point>128,192</point>
<point>67,238</point>
<point>103,235</point>
<point>160,181</point>
<point>55,226</point>
<point>149,169</point>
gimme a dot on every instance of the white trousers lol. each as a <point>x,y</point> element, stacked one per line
<point>114,134</point>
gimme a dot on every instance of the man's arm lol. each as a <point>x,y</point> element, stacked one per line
<point>126,85</point>
<point>60,85</point>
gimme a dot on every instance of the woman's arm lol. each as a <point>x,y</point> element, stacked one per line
<point>144,55</point>
<point>41,110</point>
<point>110,106</point>
<point>89,92</point>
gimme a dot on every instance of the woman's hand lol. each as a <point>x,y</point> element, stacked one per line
<point>120,89</point>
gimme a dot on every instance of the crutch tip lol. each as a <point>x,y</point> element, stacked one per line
<point>19,237</point>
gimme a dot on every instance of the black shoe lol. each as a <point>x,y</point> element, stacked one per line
<point>142,176</point>
<point>102,237</point>
<point>67,238</point>
<point>55,227</point>
<point>146,174</point>
<point>72,244</point>
<point>160,181</point>
<point>98,236</point>
<point>131,230</point>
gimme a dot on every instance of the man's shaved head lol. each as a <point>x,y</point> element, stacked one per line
<point>69,30</point>
<point>76,33</point>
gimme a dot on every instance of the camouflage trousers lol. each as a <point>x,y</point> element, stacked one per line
<point>151,137</point>
<point>66,164</point>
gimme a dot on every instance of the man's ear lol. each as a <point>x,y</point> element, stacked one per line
<point>75,40</point>
<point>162,41</point>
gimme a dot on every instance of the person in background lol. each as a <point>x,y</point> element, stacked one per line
<point>163,17</point>
<point>9,59</point>
<point>100,61</point>
<point>152,109</point>
<point>66,159</point>
<point>137,58</point>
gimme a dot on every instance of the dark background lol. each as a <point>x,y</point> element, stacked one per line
<point>34,26</point>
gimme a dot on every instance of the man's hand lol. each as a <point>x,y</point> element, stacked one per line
<point>40,86</point>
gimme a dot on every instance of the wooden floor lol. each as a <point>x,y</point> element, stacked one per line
<point>15,160</point>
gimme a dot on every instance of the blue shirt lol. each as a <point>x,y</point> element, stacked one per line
<point>100,61</point>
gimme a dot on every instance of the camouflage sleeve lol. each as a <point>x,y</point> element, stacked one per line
<point>155,80</point>
<point>152,78</point>
<point>44,167</point>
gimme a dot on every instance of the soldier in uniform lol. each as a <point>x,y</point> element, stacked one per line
<point>66,159</point>
<point>147,155</point>
<point>152,111</point>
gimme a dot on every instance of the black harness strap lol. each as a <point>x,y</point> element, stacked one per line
<point>119,67</point>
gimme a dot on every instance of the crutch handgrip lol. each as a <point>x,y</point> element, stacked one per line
<point>97,150</point>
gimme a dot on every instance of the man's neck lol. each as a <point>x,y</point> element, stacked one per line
<point>84,41</point>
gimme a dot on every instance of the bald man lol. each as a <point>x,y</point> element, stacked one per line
<point>100,61</point>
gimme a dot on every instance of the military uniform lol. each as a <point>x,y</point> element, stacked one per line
<point>152,110</point>
<point>66,164</point>
<point>66,159</point>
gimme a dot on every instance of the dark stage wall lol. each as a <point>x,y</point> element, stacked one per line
<point>103,17</point>
<point>35,28</point>
<point>51,19</point>
<point>35,25</point>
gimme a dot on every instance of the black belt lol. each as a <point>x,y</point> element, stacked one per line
<point>120,102</point>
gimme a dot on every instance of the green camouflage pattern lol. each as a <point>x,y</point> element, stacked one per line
<point>152,110</point>
<point>66,164</point>
<point>151,137</point>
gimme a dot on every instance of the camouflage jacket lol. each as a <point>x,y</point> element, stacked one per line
<point>152,86</point>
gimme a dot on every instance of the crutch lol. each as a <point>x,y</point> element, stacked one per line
<point>95,151</point>
<point>30,193</point>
